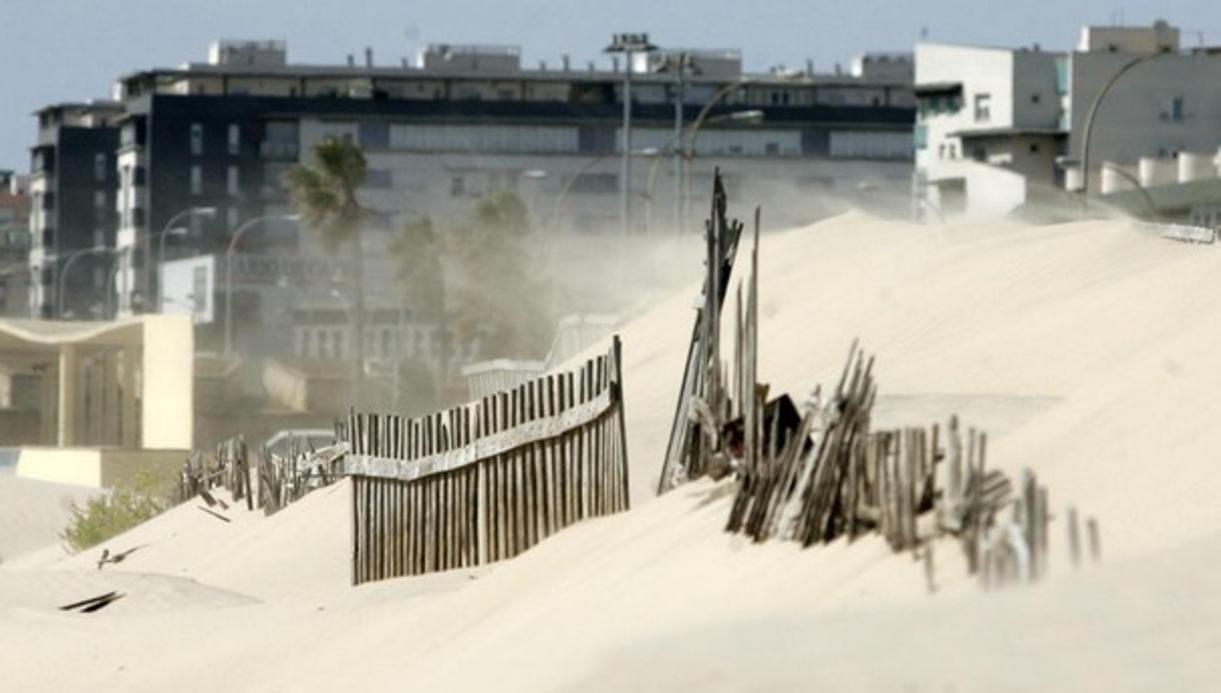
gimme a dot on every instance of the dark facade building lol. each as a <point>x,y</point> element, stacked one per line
<point>14,245</point>
<point>196,155</point>
<point>72,214</point>
<point>203,146</point>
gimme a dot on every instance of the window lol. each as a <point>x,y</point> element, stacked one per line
<point>1175,110</point>
<point>920,136</point>
<point>374,135</point>
<point>595,183</point>
<point>196,180</point>
<point>457,186</point>
<point>197,139</point>
<point>1035,97</point>
<point>99,199</point>
<point>232,181</point>
<point>235,139</point>
<point>324,348</point>
<point>99,167</point>
<point>231,217</point>
<point>772,149</point>
<point>983,108</point>
<point>979,154</point>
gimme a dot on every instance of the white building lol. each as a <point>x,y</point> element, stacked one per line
<point>998,128</point>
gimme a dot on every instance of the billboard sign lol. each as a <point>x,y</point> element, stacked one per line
<point>188,287</point>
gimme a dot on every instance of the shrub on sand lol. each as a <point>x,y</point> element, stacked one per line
<point>102,517</point>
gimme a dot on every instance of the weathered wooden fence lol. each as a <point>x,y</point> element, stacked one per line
<point>488,480</point>
<point>274,481</point>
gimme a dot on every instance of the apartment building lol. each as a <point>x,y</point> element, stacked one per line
<point>14,244</point>
<point>463,121</point>
<point>1000,128</point>
<point>72,211</point>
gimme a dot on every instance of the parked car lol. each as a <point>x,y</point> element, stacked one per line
<point>303,439</point>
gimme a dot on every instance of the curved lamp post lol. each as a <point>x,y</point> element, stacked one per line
<point>1144,192</point>
<point>63,274</point>
<point>585,168</point>
<point>194,211</point>
<point>1097,103</point>
<point>237,236</point>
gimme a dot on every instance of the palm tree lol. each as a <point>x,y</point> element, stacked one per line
<point>499,299</point>
<point>325,196</point>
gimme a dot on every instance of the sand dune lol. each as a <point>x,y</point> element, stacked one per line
<point>1089,350</point>
<point>32,513</point>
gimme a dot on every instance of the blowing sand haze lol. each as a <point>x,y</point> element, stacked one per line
<point>1086,349</point>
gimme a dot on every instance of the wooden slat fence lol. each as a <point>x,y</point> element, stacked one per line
<point>488,480</point>
<point>273,482</point>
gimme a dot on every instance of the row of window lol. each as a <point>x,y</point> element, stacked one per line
<point>233,180</point>
<point>197,139</point>
<point>331,343</point>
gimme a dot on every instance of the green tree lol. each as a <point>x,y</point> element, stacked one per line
<point>324,194</point>
<point>499,296</point>
<point>420,252</point>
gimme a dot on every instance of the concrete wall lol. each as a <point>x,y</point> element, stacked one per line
<point>1036,103</point>
<point>991,191</point>
<point>95,467</point>
<point>167,382</point>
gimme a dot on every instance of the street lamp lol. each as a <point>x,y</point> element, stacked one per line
<point>63,274</point>
<point>746,117</point>
<point>563,194</point>
<point>237,236</point>
<point>680,64</point>
<point>627,44</point>
<point>205,212</point>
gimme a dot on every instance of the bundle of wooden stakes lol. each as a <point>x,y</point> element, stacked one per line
<point>229,468</point>
<point>832,477</point>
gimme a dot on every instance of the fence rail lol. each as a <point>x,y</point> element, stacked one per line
<point>488,480</point>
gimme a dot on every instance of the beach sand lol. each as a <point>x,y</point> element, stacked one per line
<point>1089,351</point>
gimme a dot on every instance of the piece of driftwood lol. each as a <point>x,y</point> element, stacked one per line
<point>213,513</point>
<point>92,604</point>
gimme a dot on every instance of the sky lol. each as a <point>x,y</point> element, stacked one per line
<point>71,50</point>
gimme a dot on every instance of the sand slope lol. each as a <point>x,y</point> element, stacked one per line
<point>32,513</point>
<point>1089,350</point>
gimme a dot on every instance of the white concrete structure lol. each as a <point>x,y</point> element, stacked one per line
<point>1025,110</point>
<point>985,115</point>
<point>114,388</point>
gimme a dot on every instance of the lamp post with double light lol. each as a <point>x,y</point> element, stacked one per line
<point>628,45</point>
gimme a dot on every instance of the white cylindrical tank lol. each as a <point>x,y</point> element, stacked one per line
<point>1072,178</point>
<point>1113,179</point>
<point>1194,166</point>
<point>1154,171</point>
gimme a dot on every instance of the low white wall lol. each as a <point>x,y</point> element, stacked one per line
<point>95,467</point>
